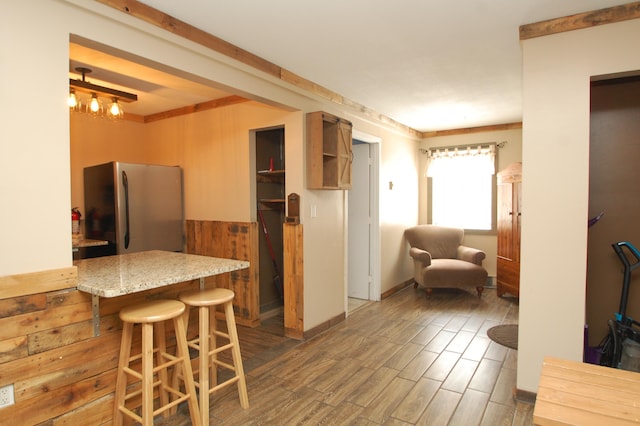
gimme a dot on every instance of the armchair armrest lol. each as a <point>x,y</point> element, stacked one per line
<point>420,256</point>
<point>471,255</point>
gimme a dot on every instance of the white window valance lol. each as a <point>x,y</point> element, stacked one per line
<point>461,160</point>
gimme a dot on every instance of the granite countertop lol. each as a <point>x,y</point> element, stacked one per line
<point>87,242</point>
<point>76,245</point>
<point>112,276</point>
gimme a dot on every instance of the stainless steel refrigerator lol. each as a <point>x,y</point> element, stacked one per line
<point>135,207</point>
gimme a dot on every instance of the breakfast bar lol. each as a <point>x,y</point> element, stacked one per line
<point>118,275</point>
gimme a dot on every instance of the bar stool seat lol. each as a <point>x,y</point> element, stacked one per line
<point>152,315</point>
<point>206,301</point>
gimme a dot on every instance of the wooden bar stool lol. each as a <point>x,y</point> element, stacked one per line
<point>151,315</point>
<point>206,301</point>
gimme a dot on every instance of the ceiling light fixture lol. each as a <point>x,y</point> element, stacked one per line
<point>94,105</point>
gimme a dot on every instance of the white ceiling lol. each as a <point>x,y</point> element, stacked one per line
<point>431,65</point>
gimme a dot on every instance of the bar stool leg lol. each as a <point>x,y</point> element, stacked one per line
<point>235,351</point>
<point>147,374</point>
<point>203,359</point>
<point>121,379</point>
<point>183,351</point>
<point>178,372</point>
<point>213,344</point>
<point>161,344</point>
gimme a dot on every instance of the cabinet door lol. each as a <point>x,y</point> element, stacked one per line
<point>345,154</point>
<point>517,217</point>
<point>505,221</point>
<point>509,215</point>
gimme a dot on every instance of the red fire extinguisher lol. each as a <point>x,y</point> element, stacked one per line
<point>75,220</point>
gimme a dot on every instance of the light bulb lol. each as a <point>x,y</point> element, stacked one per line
<point>72,100</point>
<point>94,106</point>
<point>115,109</point>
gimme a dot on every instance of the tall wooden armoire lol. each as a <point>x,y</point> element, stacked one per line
<point>509,218</point>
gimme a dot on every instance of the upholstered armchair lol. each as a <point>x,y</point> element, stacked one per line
<point>440,261</point>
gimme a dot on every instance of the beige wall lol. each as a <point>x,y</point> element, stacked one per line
<point>510,153</point>
<point>35,170</point>
<point>399,199</point>
<point>557,71</point>
<point>34,159</point>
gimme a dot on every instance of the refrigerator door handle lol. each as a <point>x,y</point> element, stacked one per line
<point>125,183</point>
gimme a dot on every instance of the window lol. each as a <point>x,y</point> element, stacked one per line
<point>462,186</point>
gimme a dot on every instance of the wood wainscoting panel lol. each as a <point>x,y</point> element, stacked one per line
<point>61,372</point>
<point>38,282</point>
<point>231,240</point>
<point>293,281</point>
<point>49,354</point>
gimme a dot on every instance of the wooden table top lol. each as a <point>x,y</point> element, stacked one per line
<point>576,393</point>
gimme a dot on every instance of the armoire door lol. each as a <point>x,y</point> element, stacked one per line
<point>509,215</point>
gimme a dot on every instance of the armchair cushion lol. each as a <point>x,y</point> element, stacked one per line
<point>440,259</point>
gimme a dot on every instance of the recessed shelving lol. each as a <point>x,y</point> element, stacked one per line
<point>271,172</point>
<point>270,203</point>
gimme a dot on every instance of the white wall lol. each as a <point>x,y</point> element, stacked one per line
<point>556,72</point>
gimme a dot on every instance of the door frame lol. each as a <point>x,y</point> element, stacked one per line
<point>374,230</point>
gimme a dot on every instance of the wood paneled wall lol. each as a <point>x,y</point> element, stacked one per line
<point>58,368</point>
<point>61,372</point>
<point>231,240</point>
<point>239,240</point>
<point>293,281</point>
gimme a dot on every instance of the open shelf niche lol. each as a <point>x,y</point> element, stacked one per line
<point>270,197</point>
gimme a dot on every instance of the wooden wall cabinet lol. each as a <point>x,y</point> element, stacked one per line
<point>329,154</point>
<point>509,218</point>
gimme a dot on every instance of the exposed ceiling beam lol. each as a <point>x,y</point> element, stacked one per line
<point>581,20</point>
<point>216,103</point>
<point>492,128</point>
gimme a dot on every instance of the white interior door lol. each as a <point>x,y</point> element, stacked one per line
<point>359,224</point>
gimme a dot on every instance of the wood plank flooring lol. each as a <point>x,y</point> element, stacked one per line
<point>403,361</point>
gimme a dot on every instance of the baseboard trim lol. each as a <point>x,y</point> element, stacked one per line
<point>524,396</point>
<point>396,289</point>
<point>271,312</point>
<point>324,326</point>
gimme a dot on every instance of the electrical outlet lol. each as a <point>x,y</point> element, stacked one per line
<point>6,396</point>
